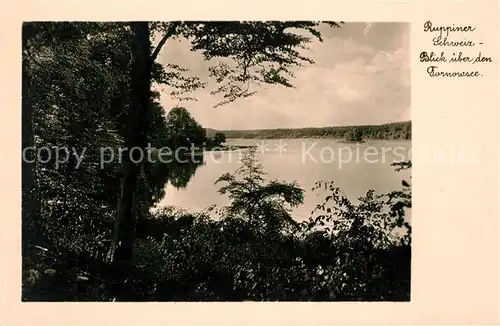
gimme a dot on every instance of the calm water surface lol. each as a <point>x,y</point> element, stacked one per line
<point>355,168</point>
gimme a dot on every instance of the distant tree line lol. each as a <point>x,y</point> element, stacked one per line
<point>397,130</point>
<point>182,130</point>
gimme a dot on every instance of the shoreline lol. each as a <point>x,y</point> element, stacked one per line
<point>319,137</point>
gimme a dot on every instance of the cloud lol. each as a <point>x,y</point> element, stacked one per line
<point>356,80</point>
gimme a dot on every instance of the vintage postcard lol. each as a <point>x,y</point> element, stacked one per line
<point>250,163</point>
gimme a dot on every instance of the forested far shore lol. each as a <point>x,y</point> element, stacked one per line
<point>396,130</point>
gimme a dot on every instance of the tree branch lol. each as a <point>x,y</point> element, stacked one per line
<point>171,31</point>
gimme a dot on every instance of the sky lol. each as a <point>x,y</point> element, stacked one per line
<point>361,75</point>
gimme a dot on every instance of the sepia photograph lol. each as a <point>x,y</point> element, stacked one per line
<point>216,161</point>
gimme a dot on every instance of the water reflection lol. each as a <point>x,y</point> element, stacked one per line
<point>177,174</point>
<point>355,176</point>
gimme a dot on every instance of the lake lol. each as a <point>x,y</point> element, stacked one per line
<point>355,168</point>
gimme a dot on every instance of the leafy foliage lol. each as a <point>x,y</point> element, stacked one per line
<point>261,204</point>
<point>184,130</point>
<point>256,52</point>
<point>219,138</point>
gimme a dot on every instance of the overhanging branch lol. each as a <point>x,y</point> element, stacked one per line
<point>171,31</point>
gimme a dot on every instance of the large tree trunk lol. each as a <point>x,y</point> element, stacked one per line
<point>31,232</point>
<point>136,137</point>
